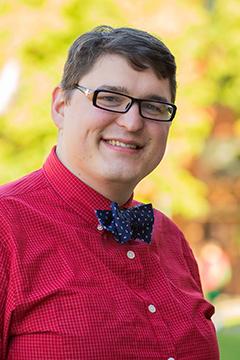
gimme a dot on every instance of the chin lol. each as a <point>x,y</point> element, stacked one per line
<point>120,177</point>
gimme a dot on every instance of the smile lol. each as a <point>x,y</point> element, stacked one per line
<point>122,144</point>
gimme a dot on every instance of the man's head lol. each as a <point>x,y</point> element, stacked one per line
<point>114,109</point>
<point>138,47</point>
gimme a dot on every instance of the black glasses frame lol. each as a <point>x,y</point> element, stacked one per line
<point>92,95</point>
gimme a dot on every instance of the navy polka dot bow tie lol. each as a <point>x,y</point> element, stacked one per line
<point>127,224</point>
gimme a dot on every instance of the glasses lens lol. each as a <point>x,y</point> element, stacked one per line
<point>156,110</point>
<point>112,101</point>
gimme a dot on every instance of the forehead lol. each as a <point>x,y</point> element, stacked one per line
<point>116,71</point>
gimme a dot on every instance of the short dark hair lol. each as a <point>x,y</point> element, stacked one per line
<point>141,49</point>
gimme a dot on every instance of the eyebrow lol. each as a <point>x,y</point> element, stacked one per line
<point>121,89</point>
<point>124,91</point>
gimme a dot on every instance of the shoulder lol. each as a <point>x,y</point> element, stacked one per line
<point>167,232</point>
<point>16,195</point>
<point>16,201</point>
<point>167,235</point>
<point>27,184</point>
<point>164,224</point>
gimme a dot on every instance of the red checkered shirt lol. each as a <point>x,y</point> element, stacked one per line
<point>70,291</point>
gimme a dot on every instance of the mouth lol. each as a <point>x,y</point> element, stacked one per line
<point>123,144</point>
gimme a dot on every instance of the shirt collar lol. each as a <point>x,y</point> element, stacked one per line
<point>78,195</point>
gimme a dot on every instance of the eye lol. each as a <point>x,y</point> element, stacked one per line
<point>110,100</point>
<point>155,108</point>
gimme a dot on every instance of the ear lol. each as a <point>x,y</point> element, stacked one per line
<point>58,106</point>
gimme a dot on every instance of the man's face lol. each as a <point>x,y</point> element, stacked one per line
<point>94,143</point>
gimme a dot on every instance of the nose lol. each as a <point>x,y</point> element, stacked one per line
<point>131,120</point>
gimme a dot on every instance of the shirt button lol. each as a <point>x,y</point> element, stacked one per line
<point>99,227</point>
<point>131,254</point>
<point>152,309</point>
<point>171,358</point>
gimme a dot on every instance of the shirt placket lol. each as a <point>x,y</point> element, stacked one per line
<point>129,260</point>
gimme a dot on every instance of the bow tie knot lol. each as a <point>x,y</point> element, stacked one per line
<point>127,224</point>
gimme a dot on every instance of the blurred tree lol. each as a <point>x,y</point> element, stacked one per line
<point>45,29</point>
<point>204,35</point>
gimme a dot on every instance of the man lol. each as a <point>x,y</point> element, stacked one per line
<point>83,274</point>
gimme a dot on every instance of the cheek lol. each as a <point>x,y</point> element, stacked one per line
<point>102,118</point>
<point>89,121</point>
<point>159,140</point>
<point>72,133</point>
<point>159,137</point>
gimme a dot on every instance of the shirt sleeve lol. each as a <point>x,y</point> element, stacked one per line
<point>5,294</point>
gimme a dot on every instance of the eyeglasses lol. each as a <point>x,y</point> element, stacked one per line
<point>119,103</point>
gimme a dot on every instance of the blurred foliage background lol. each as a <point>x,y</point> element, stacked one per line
<point>198,182</point>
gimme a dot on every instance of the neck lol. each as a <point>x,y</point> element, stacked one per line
<point>110,190</point>
<point>115,193</point>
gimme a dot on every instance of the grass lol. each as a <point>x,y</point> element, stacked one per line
<point>229,343</point>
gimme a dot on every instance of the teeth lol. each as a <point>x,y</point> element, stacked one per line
<point>121,144</point>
